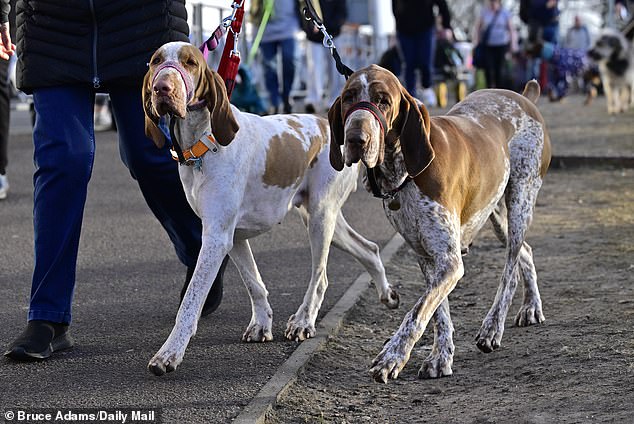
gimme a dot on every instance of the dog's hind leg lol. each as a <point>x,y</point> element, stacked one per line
<point>321,226</point>
<point>440,360</point>
<point>260,327</point>
<point>524,184</point>
<point>367,253</point>
<point>531,309</point>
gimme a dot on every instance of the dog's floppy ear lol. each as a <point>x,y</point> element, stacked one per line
<point>414,134</point>
<point>151,118</point>
<point>336,134</point>
<point>223,123</point>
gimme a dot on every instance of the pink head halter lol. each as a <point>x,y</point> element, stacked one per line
<point>185,76</point>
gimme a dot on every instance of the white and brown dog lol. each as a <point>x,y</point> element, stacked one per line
<point>246,173</point>
<point>441,178</point>
<point>614,54</point>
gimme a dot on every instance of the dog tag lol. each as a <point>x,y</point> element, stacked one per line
<point>394,204</point>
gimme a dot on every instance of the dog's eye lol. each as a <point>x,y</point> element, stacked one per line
<point>156,60</point>
<point>383,102</point>
<point>348,98</point>
<point>191,61</point>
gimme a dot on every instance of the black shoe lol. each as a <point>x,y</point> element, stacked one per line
<point>215,294</point>
<point>288,108</point>
<point>310,108</point>
<point>39,341</point>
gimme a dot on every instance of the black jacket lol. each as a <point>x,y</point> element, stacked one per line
<point>415,16</point>
<point>93,42</point>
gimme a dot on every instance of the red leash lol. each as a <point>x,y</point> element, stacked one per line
<point>230,61</point>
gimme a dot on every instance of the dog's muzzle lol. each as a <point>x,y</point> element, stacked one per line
<point>185,76</point>
<point>373,109</point>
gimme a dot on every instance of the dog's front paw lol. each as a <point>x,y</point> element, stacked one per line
<point>389,363</point>
<point>257,333</point>
<point>299,329</point>
<point>436,366</point>
<point>490,336</point>
<point>392,300</point>
<point>529,314</point>
<point>164,361</point>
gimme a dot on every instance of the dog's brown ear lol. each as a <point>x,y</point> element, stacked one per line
<point>414,134</point>
<point>151,118</point>
<point>223,123</point>
<point>336,134</point>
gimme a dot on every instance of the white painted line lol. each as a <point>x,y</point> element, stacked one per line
<point>255,412</point>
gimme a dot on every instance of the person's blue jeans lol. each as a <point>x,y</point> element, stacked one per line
<point>64,142</point>
<point>269,53</point>
<point>550,33</point>
<point>418,53</point>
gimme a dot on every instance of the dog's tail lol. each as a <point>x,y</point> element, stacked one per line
<point>531,91</point>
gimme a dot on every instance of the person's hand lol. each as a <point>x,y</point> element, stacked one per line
<point>448,34</point>
<point>7,48</point>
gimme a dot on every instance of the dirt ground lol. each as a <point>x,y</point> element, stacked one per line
<point>576,367</point>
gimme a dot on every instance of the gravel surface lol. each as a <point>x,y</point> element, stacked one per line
<point>578,366</point>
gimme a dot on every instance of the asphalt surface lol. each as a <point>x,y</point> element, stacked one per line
<point>126,298</point>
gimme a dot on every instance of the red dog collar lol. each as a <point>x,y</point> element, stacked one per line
<point>373,109</point>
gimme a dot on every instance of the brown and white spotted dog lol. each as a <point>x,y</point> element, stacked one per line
<point>442,178</point>
<point>242,174</point>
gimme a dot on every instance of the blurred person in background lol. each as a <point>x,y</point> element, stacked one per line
<point>416,33</point>
<point>323,76</point>
<point>624,10</point>
<point>495,24</point>
<point>281,21</point>
<point>543,21</point>
<point>7,49</point>
<point>578,36</point>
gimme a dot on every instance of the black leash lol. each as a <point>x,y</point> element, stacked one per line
<point>175,145</point>
<point>311,14</point>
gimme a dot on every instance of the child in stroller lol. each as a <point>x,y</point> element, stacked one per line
<point>449,66</point>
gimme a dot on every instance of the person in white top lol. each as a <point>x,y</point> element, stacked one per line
<point>495,30</point>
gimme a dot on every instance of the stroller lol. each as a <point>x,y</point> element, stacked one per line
<point>449,68</point>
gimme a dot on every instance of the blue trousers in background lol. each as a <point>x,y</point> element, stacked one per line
<point>418,53</point>
<point>64,141</point>
<point>269,52</point>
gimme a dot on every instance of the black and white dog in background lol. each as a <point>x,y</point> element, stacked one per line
<point>614,54</point>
